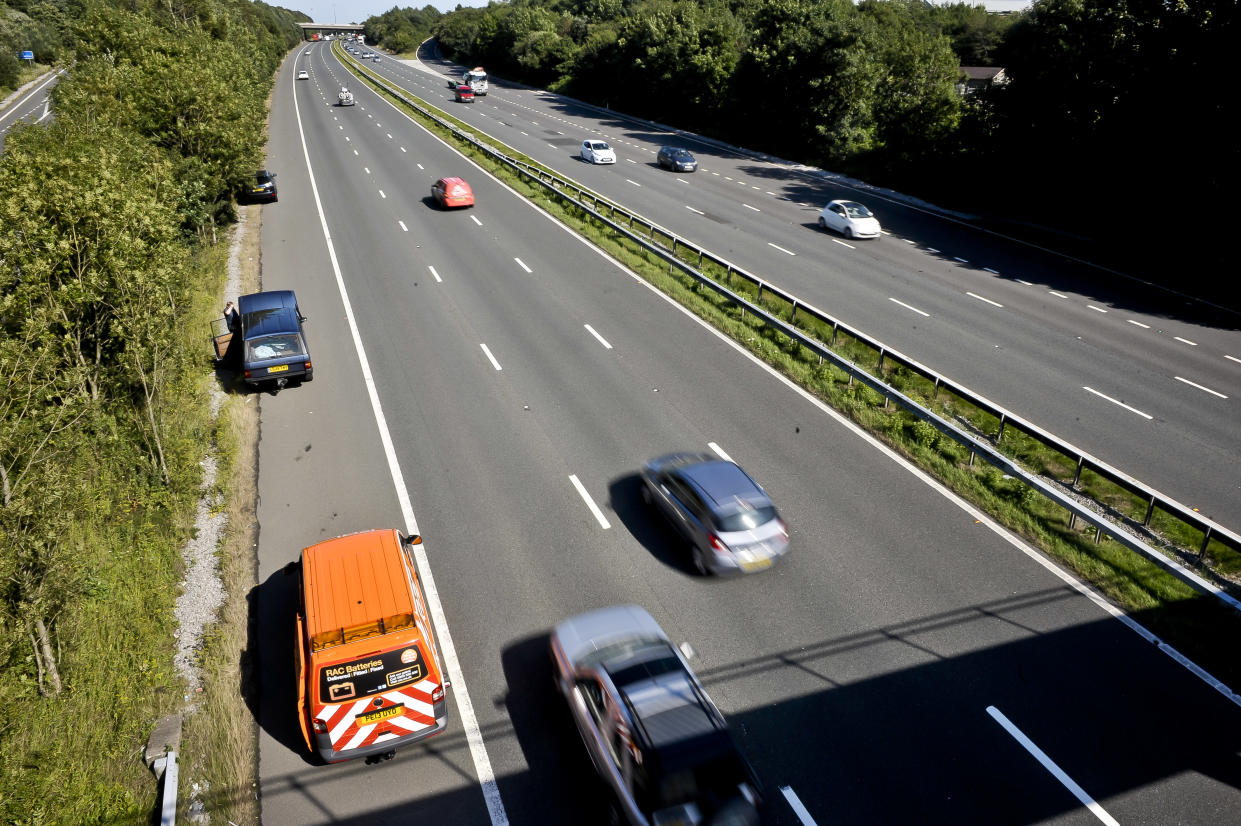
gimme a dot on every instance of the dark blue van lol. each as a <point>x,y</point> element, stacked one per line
<point>273,342</point>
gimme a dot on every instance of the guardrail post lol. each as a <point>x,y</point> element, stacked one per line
<point>882,353</point>
<point>1072,520</point>
<point>1206,539</point>
<point>1077,477</point>
<point>835,327</point>
<point>793,315</point>
<point>1150,511</point>
<point>999,435</point>
<point>1098,534</point>
<point>760,291</point>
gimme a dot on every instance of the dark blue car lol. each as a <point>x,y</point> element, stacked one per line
<point>273,344</point>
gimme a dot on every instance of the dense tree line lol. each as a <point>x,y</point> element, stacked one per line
<point>1099,92</point>
<point>106,213</point>
<point>401,30</point>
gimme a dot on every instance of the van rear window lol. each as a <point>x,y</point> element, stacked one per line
<point>340,636</point>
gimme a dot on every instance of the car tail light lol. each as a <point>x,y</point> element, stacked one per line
<point>320,726</point>
<point>718,546</point>
<point>308,365</point>
<point>245,374</point>
<point>437,694</point>
<point>783,528</point>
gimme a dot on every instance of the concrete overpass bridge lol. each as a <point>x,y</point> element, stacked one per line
<point>308,28</point>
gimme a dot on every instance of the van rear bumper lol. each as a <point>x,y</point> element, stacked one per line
<point>323,743</point>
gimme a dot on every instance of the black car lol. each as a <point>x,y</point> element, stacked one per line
<point>676,158</point>
<point>263,189</point>
<point>272,348</point>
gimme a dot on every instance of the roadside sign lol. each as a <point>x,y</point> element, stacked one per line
<point>27,55</point>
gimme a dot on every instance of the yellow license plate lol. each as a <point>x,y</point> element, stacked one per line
<point>756,565</point>
<point>382,714</point>
<point>279,368</point>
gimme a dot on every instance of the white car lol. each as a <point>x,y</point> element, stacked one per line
<point>597,152</point>
<point>303,75</point>
<point>850,219</point>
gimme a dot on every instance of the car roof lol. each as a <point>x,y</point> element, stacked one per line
<point>722,482</point>
<point>584,634</point>
<point>269,313</point>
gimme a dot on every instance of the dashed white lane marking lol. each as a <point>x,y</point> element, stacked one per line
<point>1118,403</point>
<point>522,264</point>
<point>1186,341</point>
<point>590,503</point>
<point>474,218</point>
<point>909,307</point>
<point>1232,358</point>
<point>719,451</point>
<point>402,149</point>
<point>630,160</point>
<point>347,140</point>
<point>490,357</point>
<point>1057,295</point>
<point>600,338</point>
<point>691,209</point>
<point>381,194</point>
<point>435,275</point>
<point>1096,309</point>
<point>366,169</point>
<point>843,243</point>
<point>1200,387</point>
<point>355,151</point>
<point>635,183</point>
<point>997,272</point>
<point>987,300</point>
<point>799,809</point>
<point>1138,324</point>
<point>1049,764</point>
<point>420,166</point>
<point>389,134</point>
<point>960,260</point>
<point>782,249</point>
<point>402,226</point>
<point>747,206</point>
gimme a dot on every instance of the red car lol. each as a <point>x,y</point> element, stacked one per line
<point>465,94</point>
<point>452,192</point>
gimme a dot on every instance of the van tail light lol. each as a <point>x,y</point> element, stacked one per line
<point>718,546</point>
<point>438,694</point>
<point>320,726</point>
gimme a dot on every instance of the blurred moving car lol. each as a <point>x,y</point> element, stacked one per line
<point>597,152</point>
<point>452,192</point>
<point>850,219</point>
<point>653,734</point>
<point>263,188</point>
<point>303,75</point>
<point>465,94</point>
<point>731,523</point>
<point>676,158</point>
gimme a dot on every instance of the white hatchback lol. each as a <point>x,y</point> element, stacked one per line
<point>303,75</point>
<point>850,219</point>
<point>597,152</point>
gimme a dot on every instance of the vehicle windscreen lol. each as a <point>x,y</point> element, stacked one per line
<point>857,210</point>
<point>745,518</point>
<point>273,347</point>
<point>599,145</point>
<point>354,679</point>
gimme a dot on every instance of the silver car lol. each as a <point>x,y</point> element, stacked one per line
<point>654,735</point>
<point>731,523</point>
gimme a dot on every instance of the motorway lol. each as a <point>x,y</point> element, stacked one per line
<point>30,105</point>
<point>909,662</point>
<point>1144,379</point>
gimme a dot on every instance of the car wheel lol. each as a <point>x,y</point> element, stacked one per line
<point>646,494</point>
<point>822,224</point>
<point>700,564</point>
<point>849,233</point>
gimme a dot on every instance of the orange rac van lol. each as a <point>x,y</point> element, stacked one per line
<point>369,677</point>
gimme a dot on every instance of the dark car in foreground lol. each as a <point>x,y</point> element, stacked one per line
<point>653,734</point>
<point>731,523</point>
<point>273,345</point>
<point>676,158</point>
<point>263,189</point>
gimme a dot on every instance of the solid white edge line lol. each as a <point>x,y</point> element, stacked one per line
<point>487,351</point>
<point>799,808</point>
<point>590,503</point>
<point>983,519</point>
<point>461,695</point>
<point>1049,764</point>
<point>719,451</point>
<point>1200,387</point>
<point>909,307</point>
<point>601,339</point>
<point>980,298</point>
<point>1118,403</point>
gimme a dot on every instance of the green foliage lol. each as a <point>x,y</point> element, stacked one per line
<point>401,30</point>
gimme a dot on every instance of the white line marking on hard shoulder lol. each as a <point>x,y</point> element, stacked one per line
<point>1049,764</point>
<point>590,503</point>
<point>1200,387</point>
<point>474,218</point>
<point>782,249</point>
<point>403,227</point>
<point>909,307</point>
<point>1057,295</point>
<point>460,693</point>
<point>799,809</point>
<point>1186,341</point>
<point>1138,324</point>
<point>601,339</point>
<point>719,451</point>
<point>988,300</point>
<point>522,264</point>
<point>490,357</point>
<point>747,206</point>
<point>435,275</point>
<point>1096,309</point>
<point>1120,403</point>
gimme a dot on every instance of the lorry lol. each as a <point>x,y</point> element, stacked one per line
<point>475,78</point>
<point>345,98</point>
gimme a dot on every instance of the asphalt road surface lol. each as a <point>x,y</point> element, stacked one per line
<point>906,663</point>
<point>31,105</point>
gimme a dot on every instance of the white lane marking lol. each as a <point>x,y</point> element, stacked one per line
<point>403,227</point>
<point>962,260</point>
<point>474,218</point>
<point>782,249</point>
<point>1232,358</point>
<point>932,250</point>
<point>1049,764</point>
<point>799,809</point>
<point>366,169</point>
<point>997,272</point>
<point>402,149</point>
<point>630,160</point>
<point>1057,295</point>
<point>1200,387</point>
<point>1186,341</point>
<point>909,307</point>
<point>1096,309</point>
<point>747,206</point>
<point>681,181</point>
<point>691,209</point>
<point>635,183</point>
<point>1120,403</point>
<point>719,451</point>
<point>420,166</point>
<point>490,357</point>
<point>601,339</point>
<point>389,135</point>
<point>346,137</point>
<point>465,708</point>
<point>381,194</point>
<point>590,503</point>
<point>988,300</point>
<point>355,151</point>
<point>435,275</point>
<point>1138,324</point>
<point>522,264</point>
<point>843,244</point>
